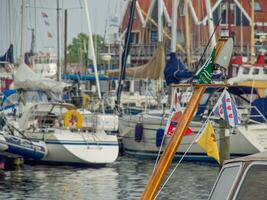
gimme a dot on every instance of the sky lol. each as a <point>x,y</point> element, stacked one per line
<point>10,21</point>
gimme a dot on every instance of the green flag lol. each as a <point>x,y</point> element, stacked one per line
<point>204,73</point>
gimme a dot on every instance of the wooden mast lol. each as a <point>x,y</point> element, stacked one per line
<point>167,157</point>
<point>187,34</point>
<point>252,50</point>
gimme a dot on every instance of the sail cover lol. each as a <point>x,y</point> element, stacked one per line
<point>175,70</point>
<point>8,57</point>
<point>153,69</point>
<point>27,79</point>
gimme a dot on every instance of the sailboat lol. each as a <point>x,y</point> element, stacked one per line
<point>71,136</point>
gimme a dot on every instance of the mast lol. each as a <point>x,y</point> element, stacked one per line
<point>174,24</point>
<point>23,30</point>
<point>91,47</point>
<point>125,53</point>
<point>210,25</point>
<point>187,34</point>
<point>65,39</point>
<point>58,46</point>
<point>252,50</point>
<point>229,18</point>
<point>241,29</point>
<point>160,26</point>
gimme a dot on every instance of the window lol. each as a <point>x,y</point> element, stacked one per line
<point>246,70</point>
<point>224,13</point>
<point>256,71</point>
<point>254,184</point>
<point>181,9</point>
<point>224,183</point>
<point>134,38</point>
<point>257,6</point>
<point>265,70</point>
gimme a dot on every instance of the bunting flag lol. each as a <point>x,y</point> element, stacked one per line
<point>49,34</point>
<point>46,23</point>
<point>44,15</point>
<point>175,116</point>
<point>207,141</point>
<point>227,109</point>
<point>204,73</point>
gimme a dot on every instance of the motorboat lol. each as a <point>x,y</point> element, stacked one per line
<point>242,178</point>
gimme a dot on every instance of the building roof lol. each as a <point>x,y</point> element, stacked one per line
<point>197,8</point>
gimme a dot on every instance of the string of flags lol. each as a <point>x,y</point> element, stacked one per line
<point>47,24</point>
<point>226,109</point>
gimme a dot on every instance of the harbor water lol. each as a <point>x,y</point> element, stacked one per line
<point>124,179</point>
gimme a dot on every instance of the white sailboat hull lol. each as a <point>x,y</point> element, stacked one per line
<point>65,147</point>
<point>239,144</point>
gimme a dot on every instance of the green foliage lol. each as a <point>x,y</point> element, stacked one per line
<point>77,50</point>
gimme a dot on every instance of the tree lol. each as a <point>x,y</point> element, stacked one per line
<point>78,49</point>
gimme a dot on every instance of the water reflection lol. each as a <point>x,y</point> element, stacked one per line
<point>124,179</point>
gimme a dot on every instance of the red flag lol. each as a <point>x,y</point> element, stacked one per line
<point>176,117</point>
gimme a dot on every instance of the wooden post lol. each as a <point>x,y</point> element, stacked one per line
<point>167,156</point>
<point>224,142</point>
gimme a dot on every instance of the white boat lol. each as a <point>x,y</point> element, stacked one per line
<point>244,140</point>
<point>81,145</point>
<point>44,64</point>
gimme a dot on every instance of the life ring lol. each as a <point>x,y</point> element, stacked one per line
<point>69,115</point>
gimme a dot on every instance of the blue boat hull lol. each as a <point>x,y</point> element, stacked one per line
<point>23,147</point>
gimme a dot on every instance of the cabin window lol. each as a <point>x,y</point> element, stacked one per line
<point>265,70</point>
<point>246,70</point>
<point>254,183</point>
<point>225,181</point>
<point>256,71</point>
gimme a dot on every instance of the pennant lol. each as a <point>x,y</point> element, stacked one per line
<point>44,15</point>
<point>226,109</point>
<point>49,34</point>
<point>204,73</point>
<point>207,141</point>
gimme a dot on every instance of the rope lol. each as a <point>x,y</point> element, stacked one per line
<point>177,165</point>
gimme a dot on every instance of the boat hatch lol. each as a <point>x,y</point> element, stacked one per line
<point>225,181</point>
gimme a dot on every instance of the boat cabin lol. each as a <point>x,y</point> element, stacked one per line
<point>242,178</point>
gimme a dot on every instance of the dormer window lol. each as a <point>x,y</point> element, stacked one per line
<point>257,6</point>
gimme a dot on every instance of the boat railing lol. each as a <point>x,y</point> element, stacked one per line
<point>248,116</point>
